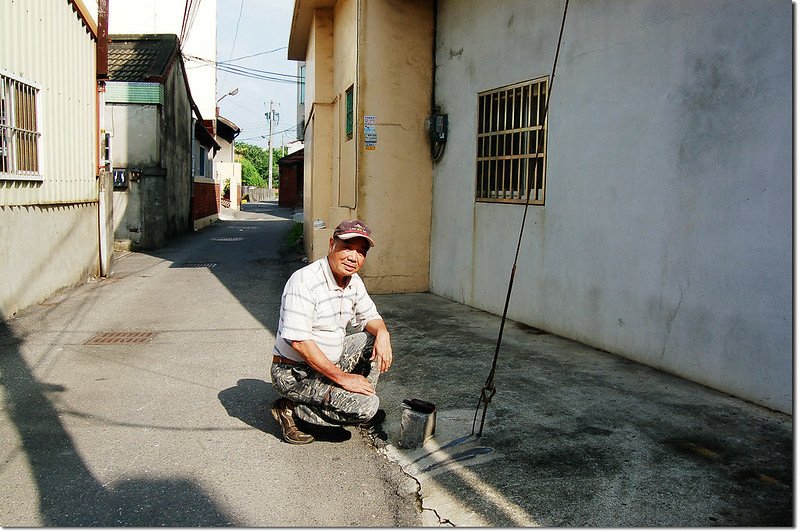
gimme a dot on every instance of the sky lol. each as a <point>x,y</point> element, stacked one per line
<point>246,28</point>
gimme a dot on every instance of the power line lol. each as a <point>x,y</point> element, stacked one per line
<point>199,59</point>
<point>253,73</point>
<point>235,35</point>
<point>190,9</point>
<point>292,128</point>
<point>259,53</point>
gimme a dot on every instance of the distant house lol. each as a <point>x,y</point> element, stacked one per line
<point>158,148</point>
<point>290,192</point>
<point>205,185</point>
<point>208,190</point>
<point>49,235</point>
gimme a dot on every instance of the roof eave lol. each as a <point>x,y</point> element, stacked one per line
<point>301,26</point>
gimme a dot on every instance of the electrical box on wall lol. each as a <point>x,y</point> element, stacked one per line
<point>120,179</point>
<point>437,127</point>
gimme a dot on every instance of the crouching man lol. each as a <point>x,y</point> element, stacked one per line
<point>325,376</point>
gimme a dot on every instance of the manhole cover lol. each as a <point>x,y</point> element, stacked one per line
<point>197,265</point>
<point>129,337</point>
<point>227,239</point>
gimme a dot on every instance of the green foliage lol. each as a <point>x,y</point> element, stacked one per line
<point>294,241</point>
<point>250,176</point>
<point>259,157</point>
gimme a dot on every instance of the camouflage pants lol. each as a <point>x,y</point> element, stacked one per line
<point>320,401</point>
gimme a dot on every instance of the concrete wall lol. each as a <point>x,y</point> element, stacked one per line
<point>232,172</point>
<point>226,152</point>
<point>357,44</point>
<point>136,137</point>
<point>176,155</point>
<point>395,179</point>
<point>157,140</point>
<point>666,233</point>
<point>319,148</point>
<point>44,249</point>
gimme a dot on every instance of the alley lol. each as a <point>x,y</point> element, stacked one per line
<point>175,430</point>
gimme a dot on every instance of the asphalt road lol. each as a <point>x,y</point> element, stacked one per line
<point>176,431</point>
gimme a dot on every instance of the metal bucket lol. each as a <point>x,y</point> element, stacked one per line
<point>417,423</point>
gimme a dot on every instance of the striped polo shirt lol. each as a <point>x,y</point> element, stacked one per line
<point>314,307</point>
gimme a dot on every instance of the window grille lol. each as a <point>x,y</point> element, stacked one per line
<point>19,129</point>
<point>348,128</point>
<point>512,143</point>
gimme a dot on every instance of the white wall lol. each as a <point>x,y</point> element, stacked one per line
<point>666,234</point>
<point>166,16</point>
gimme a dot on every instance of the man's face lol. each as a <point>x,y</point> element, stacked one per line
<point>347,256</point>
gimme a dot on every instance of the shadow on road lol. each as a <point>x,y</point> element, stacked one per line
<point>250,401</point>
<point>69,495</point>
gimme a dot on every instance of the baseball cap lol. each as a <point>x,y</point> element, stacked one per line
<point>353,228</point>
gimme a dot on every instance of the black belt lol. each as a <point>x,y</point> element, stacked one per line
<point>277,359</point>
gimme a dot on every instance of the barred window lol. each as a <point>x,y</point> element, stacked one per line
<point>19,129</point>
<point>511,154</point>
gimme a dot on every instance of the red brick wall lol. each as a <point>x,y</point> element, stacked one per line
<point>205,201</point>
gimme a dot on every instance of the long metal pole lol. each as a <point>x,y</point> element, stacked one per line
<point>488,390</point>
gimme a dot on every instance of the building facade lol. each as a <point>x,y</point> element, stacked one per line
<point>156,146</point>
<point>661,224</point>
<point>366,152</point>
<point>48,151</point>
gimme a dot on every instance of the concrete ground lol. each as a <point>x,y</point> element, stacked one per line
<point>175,431</point>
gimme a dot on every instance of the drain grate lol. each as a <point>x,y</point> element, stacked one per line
<point>208,265</point>
<point>227,239</point>
<point>123,337</point>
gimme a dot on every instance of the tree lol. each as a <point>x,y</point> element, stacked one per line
<point>250,176</point>
<point>259,157</point>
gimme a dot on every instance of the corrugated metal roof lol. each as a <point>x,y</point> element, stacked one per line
<point>141,57</point>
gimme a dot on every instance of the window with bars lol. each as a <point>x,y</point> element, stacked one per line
<point>512,143</point>
<point>19,129</point>
<point>348,126</point>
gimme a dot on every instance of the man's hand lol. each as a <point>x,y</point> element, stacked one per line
<point>382,349</point>
<point>315,358</point>
<point>352,382</point>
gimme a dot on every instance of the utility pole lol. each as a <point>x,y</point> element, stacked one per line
<point>270,118</point>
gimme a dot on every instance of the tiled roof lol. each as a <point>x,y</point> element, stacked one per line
<point>141,57</point>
